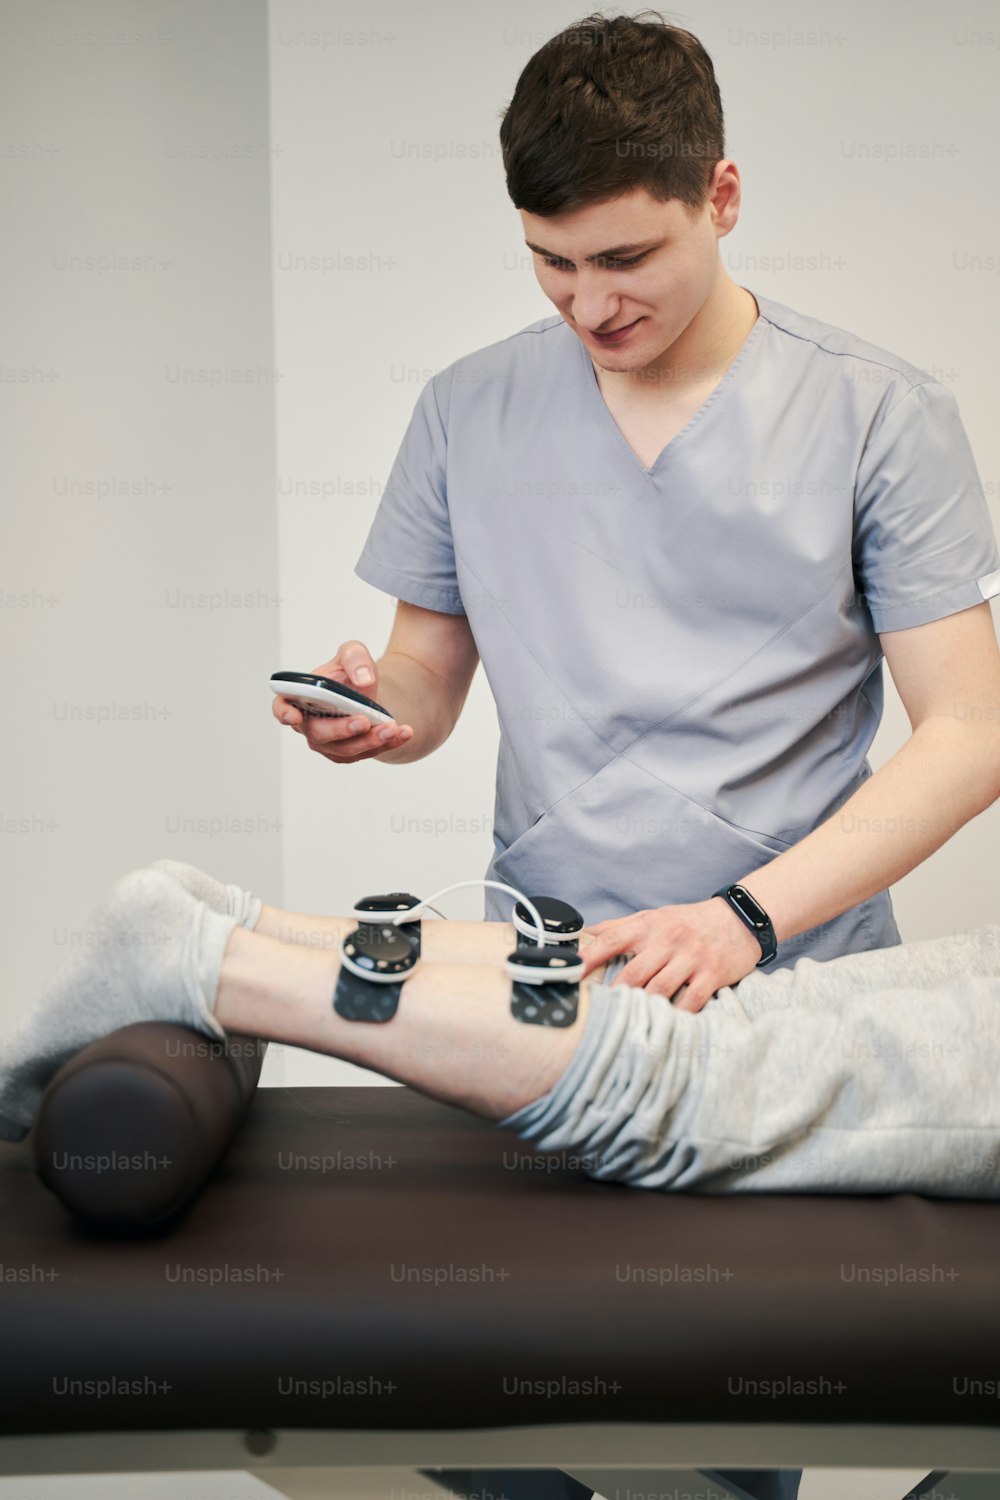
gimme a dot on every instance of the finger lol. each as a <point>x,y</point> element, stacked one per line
<point>585,942</point>
<point>285,712</point>
<point>382,737</point>
<point>691,997</point>
<point>591,961</point>
<point>360,746</point>
<point>593,954</point>
<point>643,967</point>
<point>616,928</point>
<point>331,731</point>
<point>358,663</point>
<point>671,977</point>
<point>600,950</point>
<point>342,758</point>
<point>617,934</point>
<point>388,736</point>
<point>333,669</point>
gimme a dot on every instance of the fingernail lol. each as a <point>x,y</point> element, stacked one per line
<point>355,724</point>
<point>386,733</point>
<point>363,674</point>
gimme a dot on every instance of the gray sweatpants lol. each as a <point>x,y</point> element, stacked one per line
<point>874,1072</point>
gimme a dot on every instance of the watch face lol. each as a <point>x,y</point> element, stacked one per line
<point>752,909</point>
<point>383,950</point>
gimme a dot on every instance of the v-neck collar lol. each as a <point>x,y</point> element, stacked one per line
<point>752,338</point>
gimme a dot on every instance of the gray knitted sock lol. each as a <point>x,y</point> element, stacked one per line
<point>232,900</point>
<point>154,953</point>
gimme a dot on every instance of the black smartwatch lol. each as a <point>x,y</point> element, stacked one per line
<point>546,989</point>
<point>374,962</point>
<point>752,915</point>
<point>371,908</point>
<point>562,923</point>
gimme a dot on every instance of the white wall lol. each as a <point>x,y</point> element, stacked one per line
<point>130,714</point>
<point>387,121</point>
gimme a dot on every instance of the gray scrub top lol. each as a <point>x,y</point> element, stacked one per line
<point>685,658</point>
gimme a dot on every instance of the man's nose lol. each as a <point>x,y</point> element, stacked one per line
<point>595,307</point>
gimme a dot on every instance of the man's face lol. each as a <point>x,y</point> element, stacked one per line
<point>659,291</point>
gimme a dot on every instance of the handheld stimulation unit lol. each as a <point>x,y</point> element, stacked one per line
<point>322,698</point>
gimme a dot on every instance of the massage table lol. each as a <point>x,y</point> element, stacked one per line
<point>292,1281</point>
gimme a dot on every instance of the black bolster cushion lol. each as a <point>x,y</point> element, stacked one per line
<point>129,1130</point>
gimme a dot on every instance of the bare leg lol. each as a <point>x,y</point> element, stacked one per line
<point>452,1037</point>
<point>159,952</point>
<point>440,941</point>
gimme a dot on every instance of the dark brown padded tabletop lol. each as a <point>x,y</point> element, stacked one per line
<point>381,1260</point>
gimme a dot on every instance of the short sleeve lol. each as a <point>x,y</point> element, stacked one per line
<point>409,551</point>
<point>924,544</point>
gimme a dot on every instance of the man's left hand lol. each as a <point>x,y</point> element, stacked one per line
<point>684,952</point>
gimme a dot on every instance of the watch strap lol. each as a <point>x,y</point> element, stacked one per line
<point>765,935</point>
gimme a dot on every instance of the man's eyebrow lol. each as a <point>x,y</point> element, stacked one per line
<point>601,254</point>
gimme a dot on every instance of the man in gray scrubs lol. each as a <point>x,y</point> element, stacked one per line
<point>673,521</point>
<point>687,677</point>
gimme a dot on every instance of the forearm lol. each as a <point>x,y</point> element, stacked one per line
<point>414,696</point>
<point>452,1037</point>
<point>941,778</point>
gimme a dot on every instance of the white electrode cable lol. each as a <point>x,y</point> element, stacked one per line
<point>407,915</point>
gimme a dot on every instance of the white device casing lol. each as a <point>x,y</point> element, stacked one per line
<point>381,918</point>
<point>374,976</point>
<point>530,975</point>
<point>528,929</point>
<point>337,706</point>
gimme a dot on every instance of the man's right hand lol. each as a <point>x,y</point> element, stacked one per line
<point>335,738</point>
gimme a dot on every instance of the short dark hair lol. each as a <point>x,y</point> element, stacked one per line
<point>609,105</point>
